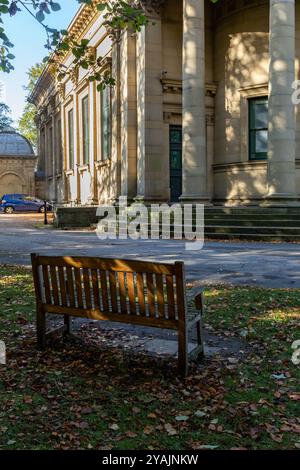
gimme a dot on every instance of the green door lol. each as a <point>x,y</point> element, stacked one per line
<point>176,162</point>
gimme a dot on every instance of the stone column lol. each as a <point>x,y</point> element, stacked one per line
<point>128,100</point>
<point>93,142</point>
<point>151,173</point>
<point>281,179</point>
<point>64,150</point>
<point>54,170</point>
<point>75,186</point>
<point>195,184</point>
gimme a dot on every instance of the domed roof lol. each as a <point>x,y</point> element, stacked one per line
<point>13,143</point>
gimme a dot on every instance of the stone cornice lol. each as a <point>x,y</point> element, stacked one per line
<point>82,19</point>
<point>243,166</point>
<point>18,157</point>
<point>171,85</point>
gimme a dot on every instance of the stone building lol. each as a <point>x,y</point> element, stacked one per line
<point>202,108</point>
<point>17,164</point>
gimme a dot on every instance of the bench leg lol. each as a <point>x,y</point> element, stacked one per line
<point>67,325</point>
<point>200,339</point>
<point>183,359</point>
<point>41,329</point>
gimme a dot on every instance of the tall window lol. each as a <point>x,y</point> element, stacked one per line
<point>258,128</point>
<point>71,137</point>
<point>85,129</point>
<point>59,161</point>
<point>106,123</point>
<point>50,152</point>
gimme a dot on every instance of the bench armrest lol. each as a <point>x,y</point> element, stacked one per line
<point>199,301</point>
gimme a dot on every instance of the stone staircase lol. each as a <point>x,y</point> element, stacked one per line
<point>253,223</point>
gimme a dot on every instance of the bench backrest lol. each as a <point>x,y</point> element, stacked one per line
<point>151,293</point>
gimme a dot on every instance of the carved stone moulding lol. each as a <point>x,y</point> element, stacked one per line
<point>104,63</point>
<point>152,7</point>
<point>52,102</point>
<point>62,90</point>
<point>171,85</point>
<point>74,75</point>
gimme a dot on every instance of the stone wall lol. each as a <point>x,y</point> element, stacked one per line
<point>17,175</point>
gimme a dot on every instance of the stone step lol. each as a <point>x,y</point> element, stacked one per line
<point>252,210</point>
<point>245,222</point>
<point>252,237</point>
<point>258,216</point>
<point>262,230</point>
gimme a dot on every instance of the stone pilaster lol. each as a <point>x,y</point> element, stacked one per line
<point>76,189</point>
<point>93,142</point>
<point>54,158</point>
<point>116,125</point>
<point>151,167</point>
<point>281,182</point>
<point>128,93</point>
<point>195,178</point>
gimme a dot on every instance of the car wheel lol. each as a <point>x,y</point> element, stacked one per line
<point>9,210</point>
<point>42,209</point>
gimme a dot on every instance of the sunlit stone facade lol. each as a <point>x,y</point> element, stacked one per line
<point>202,108</point>
<point>17,164</point>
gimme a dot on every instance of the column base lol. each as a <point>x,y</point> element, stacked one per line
<point>195,199</point>
<point>92,202</point>
<point>148,200</point>
<point>281,200</point>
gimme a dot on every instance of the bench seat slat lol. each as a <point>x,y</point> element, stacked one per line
<point>95,282</point>
<point>150,295</point>
<point>113,290</point>
<point>141,293</point>
<point>122,293</point>
<point>54,286</point>
<point>170,296</point>
<point>160,295</point>
<point>87,288</point>
<point>104,293</point>
<point>97,314</point>
<point>46,284</point>
<point>131,292</point>
<point>78,285</point>
<point>71,292</point>
<point>62,286</point>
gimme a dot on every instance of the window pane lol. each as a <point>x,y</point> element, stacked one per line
<point>85,129</point>
<point>176,159</point>
<point>261,115</point>
<point>106,123</point>
<point>258,128</point>
<point>175,136</point>
<point>261,141</point>
<point>50,152</point>
<point>71,137</point>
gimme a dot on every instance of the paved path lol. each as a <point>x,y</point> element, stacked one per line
<point>265,264</point>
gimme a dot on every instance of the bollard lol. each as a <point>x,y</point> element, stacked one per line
<point>45,213</point>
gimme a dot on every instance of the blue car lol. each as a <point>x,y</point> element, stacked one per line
<point>11,203</point>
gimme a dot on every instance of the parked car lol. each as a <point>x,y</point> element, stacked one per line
<point>11,203</point>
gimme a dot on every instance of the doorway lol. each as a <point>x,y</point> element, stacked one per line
<point>175,162</point>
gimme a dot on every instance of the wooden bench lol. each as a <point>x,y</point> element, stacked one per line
<point>126,291</point>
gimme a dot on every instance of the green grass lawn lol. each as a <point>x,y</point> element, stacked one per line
<point>87,394</point>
